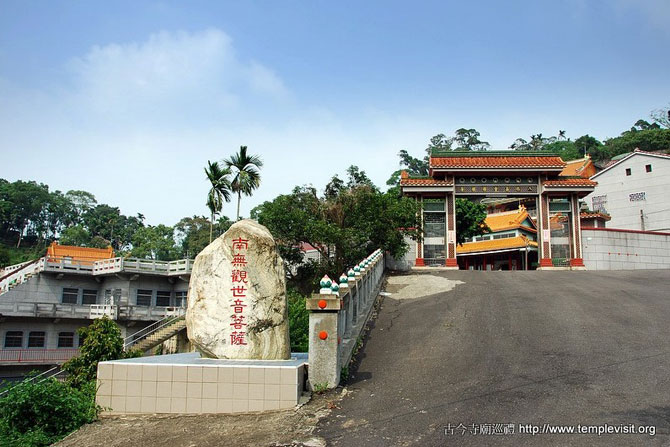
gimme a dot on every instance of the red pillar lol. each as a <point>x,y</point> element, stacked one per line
<point>451,231</point>
<point>545,232</point>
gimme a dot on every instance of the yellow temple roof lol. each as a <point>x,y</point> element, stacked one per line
<point>495,245</point>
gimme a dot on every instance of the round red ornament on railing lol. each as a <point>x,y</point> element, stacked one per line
<point>323,335</point>
<point>322,304</point>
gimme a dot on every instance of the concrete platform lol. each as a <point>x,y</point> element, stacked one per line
<point>190,384</point>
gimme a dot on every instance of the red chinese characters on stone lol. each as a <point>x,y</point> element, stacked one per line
<point>239,260</point>
<point>238,338</point>
<point>239,276</point>
<point>238,322</point>
<point>240,244</point>
<point>238,306</point>
<point>238,291</point>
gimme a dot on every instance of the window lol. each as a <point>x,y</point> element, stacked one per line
<point>66,339</point>
<point>503,236</point>
<point>648,168</point>
<point>89,296</point>
<point>628,171</point>
<point>36,339</point>
<point>144,297</point>
<point>14,339</point>
<point>70,296</point>
<point>163,298</point>
<point>112,296</point>
<point>180,299</point>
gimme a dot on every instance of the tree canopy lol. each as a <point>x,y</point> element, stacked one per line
<point>349,221</point>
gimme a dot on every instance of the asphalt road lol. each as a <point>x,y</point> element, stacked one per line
<point>559,348</point>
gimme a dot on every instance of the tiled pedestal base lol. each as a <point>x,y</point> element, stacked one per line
<point>186,383</point>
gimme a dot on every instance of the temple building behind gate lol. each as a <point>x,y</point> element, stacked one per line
<point>528,185</point>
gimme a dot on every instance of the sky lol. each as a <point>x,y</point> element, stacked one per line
<point>129,100</point>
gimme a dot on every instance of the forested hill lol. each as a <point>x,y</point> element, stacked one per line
<point>32,215</point>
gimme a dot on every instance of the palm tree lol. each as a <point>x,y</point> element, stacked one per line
<point>219,191</point>
<point>247,178</point>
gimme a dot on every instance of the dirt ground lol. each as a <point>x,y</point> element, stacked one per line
<point>272,429</point>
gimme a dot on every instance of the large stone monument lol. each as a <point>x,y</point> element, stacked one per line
<point>237,297</point>
<point>237,319</point>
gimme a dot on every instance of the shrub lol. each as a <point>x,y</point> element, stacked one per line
<point>39,414</point>
<point>298,321</point>
<point>102,341</point>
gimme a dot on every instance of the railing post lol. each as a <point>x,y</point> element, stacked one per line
<point>345,295</point>
<point>324,352</point>
<point>353,291</point>
<point>359,291</point>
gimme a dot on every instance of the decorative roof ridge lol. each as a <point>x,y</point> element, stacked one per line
<point>498,153</point>
<point>418,177</point>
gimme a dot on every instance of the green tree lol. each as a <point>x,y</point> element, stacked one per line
<point>565,149</point>
<point>22,207</point>
<point>246,175</point>
<point>75,235</point>
<point>470,220</point>
<point>439,143</point>
<point>108,223</point>
<point>468,140</point>
<point>357,178</point>
<point>102,342</point>
<point>218,192</point>
<point>57,214</point>
<point>334,187</point>
<point>155,242</point>
<point>82,201</point>
<point>344,227</point>
<point>586,144</point>
<point>661,117</point>
<point>653,139</point>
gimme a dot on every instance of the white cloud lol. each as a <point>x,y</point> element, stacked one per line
<point>170,75</point>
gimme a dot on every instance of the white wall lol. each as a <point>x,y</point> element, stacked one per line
<point>608,249</point>
<point>618,186</point>
<point>406,263</point>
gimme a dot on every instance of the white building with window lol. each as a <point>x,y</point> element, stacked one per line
<point>44,302</point>
<point>635,192</point>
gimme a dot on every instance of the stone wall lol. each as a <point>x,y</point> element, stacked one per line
<point>615,249</point>
<point>406,262</point>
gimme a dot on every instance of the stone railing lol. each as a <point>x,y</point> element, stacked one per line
<point>103,310</point>
<point>338,314</point>
<point>136,265</point>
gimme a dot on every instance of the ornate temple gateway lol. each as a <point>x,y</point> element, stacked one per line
<point>504,181</point>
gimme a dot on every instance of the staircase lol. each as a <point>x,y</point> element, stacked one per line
<point>155,334</point>
<point>20,273</point>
